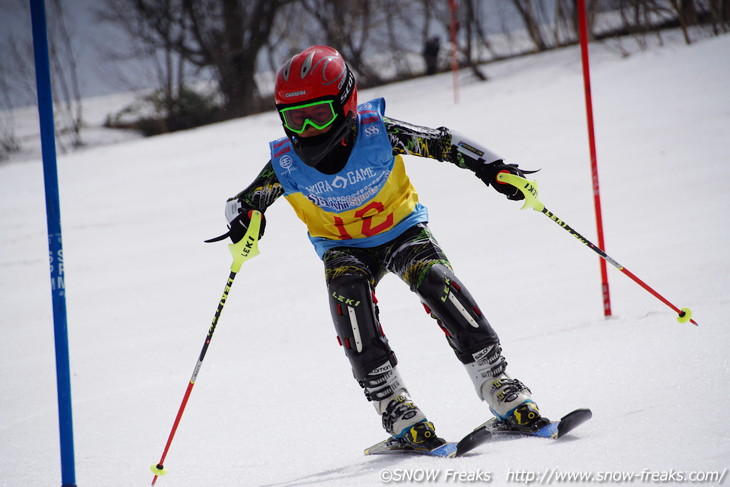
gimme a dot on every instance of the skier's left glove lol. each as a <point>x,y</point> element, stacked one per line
<point>488,173</point>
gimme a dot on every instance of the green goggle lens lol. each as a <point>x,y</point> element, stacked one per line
<point>319,115</point>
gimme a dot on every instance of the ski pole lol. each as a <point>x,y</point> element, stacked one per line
<point>529,189</point>
<point>244,249</point>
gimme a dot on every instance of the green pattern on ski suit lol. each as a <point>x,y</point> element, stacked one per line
<point>419,261</point>
<point>409,256</point>
<point>406,139</point>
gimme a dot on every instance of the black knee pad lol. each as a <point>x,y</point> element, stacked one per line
<point>355,316</point>
<point>456,312</point>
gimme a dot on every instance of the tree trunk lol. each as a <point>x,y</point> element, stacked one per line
<point>524,7</point>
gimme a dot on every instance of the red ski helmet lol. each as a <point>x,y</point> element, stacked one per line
<point>316,73</point>
<point>316,88</point>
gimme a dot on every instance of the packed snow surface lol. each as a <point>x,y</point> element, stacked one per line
<point>275,403</point>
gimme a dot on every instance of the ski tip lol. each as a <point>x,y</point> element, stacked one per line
<point>474,439</point>
<point>582,413</point>
<point>572,420</point>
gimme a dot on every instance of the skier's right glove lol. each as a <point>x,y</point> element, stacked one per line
<point>239,226</point>
<point>239,218</point>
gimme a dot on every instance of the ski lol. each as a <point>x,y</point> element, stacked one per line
<point>482,434</point>
<point>552,430</point>
<point>448,450</point>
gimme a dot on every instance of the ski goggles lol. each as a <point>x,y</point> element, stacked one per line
<point>319,114</point>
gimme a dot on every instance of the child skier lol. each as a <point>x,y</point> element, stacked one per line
<point>340,167</point>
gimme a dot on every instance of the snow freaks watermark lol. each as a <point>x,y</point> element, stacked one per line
<point>551,476</point>
<point>427,475</point>
<point>647,476</point>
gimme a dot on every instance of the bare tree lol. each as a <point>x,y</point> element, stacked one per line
<point>8,140</point>
<point>18,80</point>
<point>470,33</point>
<point>155,29</point>
<point>16,86</point>
<point>64,70</point>
<point>223,36</point>
<point>719,16</point>
<point>642,17</point>
<point>404,30</point>
<point>527,12</point>
<point>638,17</point>
<point>228,35</point>
<point>477,16</point>
<point>347,26</point>
<point>473,29</point>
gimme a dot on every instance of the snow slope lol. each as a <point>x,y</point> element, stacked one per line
<point>275,403</point>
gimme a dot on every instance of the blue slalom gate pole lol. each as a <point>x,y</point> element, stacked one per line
<point>55,247</point>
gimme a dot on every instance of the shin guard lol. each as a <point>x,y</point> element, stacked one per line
<point>355,316</point>
<point>456,312</point>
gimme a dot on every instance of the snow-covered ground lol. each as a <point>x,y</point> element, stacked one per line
<point>275,403</point>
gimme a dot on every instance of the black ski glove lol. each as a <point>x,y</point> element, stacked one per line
<point>239,226</point>
<point>488,174</point>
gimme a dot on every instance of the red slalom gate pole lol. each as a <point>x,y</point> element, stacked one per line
<point>583,24</point>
